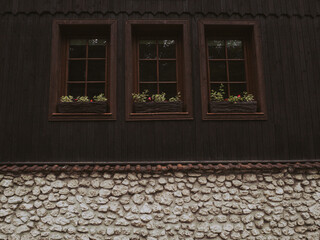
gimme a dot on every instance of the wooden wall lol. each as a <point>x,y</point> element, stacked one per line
<point>290,42</point>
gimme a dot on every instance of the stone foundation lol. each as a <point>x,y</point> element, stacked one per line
<point>260,205</point>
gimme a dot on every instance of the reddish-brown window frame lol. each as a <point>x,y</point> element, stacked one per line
<point>155,28</point>
<point>62,31</point>
<point>250,33</point>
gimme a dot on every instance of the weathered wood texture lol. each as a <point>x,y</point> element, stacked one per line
<point>290,42</point>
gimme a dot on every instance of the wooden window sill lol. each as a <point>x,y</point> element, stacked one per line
<point>81,117</point>
<point>235,116</point>
<point>159,116</point>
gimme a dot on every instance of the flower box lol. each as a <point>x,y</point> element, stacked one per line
<point>230,107</point>
<point>82,107</point>
<point>153,107</point>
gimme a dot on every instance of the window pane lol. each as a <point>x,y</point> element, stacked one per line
<point>152,87</point>
<point>169,88</point>
<point>237,71</point>
<point>237,88</point>
<point>216,87</point>
<point>147,49</point>
<point>216,49</point>
<point>97,48</point>
<point>96,70</point>
<point>218,71</point>
<point>77,70</point>
<point>77,48</point>
<point>94,89</point>
<point>167,48</point>
<point>75,89</point>
<point>235,49</point>
<point>167,70</point>
<point>148,71</point>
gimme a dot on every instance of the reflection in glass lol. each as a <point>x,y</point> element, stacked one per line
<point>147,49</point>
<point>151,87</point>
<point>75,89</point>
<point>235,49</point>
<point>94,89</point>
<point>218,71</point>
<point>77,48</point>
<point>148,71</point>
<point>237,71</point>
<point>167,70</point>
<point>216,49</point>
<point>97,48</point>
<point>96,70</point>
<point>167,48</point>
<point>237,88</point>
<point>77,70</point>
<point>169,88</point>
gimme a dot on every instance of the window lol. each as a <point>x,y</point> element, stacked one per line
<point>230,55</point>
<point>158,60</point>
<point>82,54</point>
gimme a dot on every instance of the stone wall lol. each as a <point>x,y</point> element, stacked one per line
<point>169,205</point>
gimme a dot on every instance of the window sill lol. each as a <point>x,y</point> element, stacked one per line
<point>235,116</point>
<point>159,116</point>
<point>81,117</point>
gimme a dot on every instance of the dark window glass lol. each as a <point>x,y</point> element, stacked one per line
<point>169,88</point>
<point>96,70</point>
<point>95,89</point>
<point>151,87</point>
<point>77,48</point>
<point>216,49</point>
<point>148,71</point>
<point>77,70</point>
<point>76,89</point>
<point>167,49</point>
<point>237,88</point>
<point>167,70</point>
<point>237,71</point>
<point>97,48</point>
<point>218,71</point>
<point>234,49</point>
<point>147,49</point>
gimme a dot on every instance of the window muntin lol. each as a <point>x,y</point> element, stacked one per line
<point>87,67</point>
<point>158,66</point>
<point>227,65</point>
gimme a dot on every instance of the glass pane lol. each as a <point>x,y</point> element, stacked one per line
<point>148,71</point>
<point>147,49</point>
<point>77,48</point>
<point>96,70</point>
<point>97,48</point>
<point>152,87</point>
<point>216,87</point>
<point>75,89</point>
<point>95,89</point>
<point>167,70</point>
<point>77,70</point>
<point>169,88</point>
<point>216,49</point>
<point>218,71</point>
<point>237,71</point>
<point>235,49</point>
<point>237,88</point>
<point>167,48</point>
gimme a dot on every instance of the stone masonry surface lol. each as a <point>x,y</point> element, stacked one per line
<point>256,205</point>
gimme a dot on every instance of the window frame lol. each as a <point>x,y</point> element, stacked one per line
<point>133,31</point>
<point>226,29</point>
<point>62,31</point>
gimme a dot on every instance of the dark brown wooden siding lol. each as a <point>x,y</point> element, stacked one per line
<point>290,33</point>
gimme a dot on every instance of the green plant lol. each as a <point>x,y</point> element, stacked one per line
<point>176,98</point>
<point>100,98</point>
<point>247,97</point>
<point>83,99</point>
<point>66,98</point>
<point>161,97</point>
<point>217,96</point>
<point>140,97</point>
